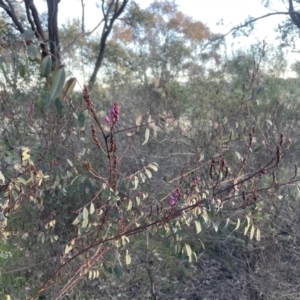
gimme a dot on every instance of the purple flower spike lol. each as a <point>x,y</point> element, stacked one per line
<point>172,200</point>
<point>107,119</point>
<point>114,112</point>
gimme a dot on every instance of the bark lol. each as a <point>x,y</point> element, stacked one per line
<point>53,31</point>
<point>114,10</point>
<point>295,16</point>
<point>11,13</point>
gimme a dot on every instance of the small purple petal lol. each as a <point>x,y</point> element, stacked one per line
<point>108,121</point>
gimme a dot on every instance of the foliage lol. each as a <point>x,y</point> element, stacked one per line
<point>179,162</point>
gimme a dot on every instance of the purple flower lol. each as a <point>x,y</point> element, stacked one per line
<point>195,181</point>
<point>114,115</point>
<point>114,112</point>
<point>173,200</point>
<point>107,119</point>
<point>174,197</point>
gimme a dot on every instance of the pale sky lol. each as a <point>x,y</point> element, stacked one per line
<point>233,12</point>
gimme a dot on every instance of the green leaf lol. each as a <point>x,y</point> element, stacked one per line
<point>92,208</point>
<point>32,52</point>
<point>2,177</point>
<point>108,193</point>
<point>147,135</point>
<point>118,271</point>
<point>85,214</point>
<point>81,119</point>
<point>22,71</point>
<point>57,84</point>
<point>28,35</point>
<point>68,89</point>
<point>259,148</point>
<point>198,226</point>
<point>46,66</point>
<point>212,209</point>
<point>58,106</point>
<point>292,197</point>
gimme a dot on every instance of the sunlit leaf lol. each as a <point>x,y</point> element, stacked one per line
<point>127,258</point>
<point>85,213</point>
<point>135,182</point>
<point>68,248</point>
<point>188,250</point>
<point>129,207</point>
<point>148,172</point>
<point>147,135</point>
<point>198,226</point>
<point>85,223</point>
<point>92,208</point>
<point>238,155</point>
<point>69,162</point>
<point>2,177</point>
<point>246,229</point>
<point>252,232</point>
<point>153,166</point>
<point>68,89</point>
<point>77,220</point>
<point>269,122</point>
<point>257,234</point>
<point>238,223</point>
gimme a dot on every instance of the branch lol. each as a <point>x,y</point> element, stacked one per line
<point>11,13</point>
<point>108,24</point>
<point>78,37</point>
<point>252,21</point>
<point>295,16</point>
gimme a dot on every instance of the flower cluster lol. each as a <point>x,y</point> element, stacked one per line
<point>114,115</point>
<point>195,180</point>
<point>174,197</point>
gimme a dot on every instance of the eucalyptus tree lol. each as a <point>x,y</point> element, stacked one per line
<point>25,15</point>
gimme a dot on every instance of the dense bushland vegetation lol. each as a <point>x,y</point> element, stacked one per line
<point>140,161</point>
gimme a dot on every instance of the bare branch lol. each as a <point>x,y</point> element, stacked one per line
<point>10,11</point>
<point>78,37</point>
<point>252,21</point>
<point>105,33</point>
